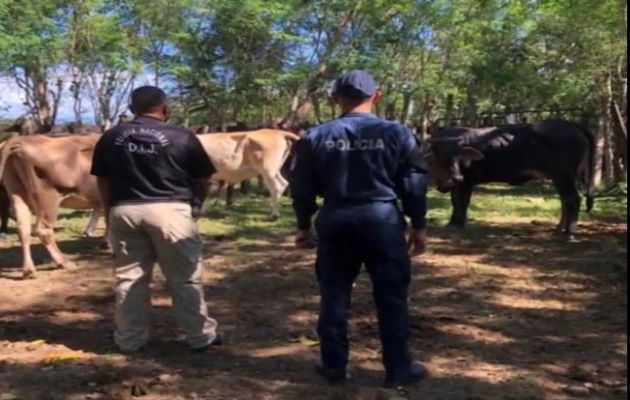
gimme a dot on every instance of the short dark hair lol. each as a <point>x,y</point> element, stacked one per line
<point>351,93</point>
<point>147,98</point>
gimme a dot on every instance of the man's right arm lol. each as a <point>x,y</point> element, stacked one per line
<point>101,169</point>
<point>105,192</point>
<point>304,184</point>
<point>200,169</point>
<point>411,186</point>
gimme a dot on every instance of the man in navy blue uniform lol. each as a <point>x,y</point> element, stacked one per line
<point>361,165</point>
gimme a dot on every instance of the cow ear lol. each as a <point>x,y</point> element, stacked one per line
<point>471,154</point>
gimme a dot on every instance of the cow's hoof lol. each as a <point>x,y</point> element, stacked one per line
<point>29,274</point>
<point>274,218</point>
<point>66,265</point>
<point>104,245</point>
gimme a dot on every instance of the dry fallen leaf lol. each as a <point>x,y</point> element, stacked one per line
<point>304,341</point>
<point>63,356</point>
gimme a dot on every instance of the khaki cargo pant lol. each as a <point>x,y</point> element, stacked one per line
<point>143,234</point>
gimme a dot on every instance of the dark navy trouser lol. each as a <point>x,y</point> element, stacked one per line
<point>371,234</point>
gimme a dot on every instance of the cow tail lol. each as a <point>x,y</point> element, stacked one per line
<point>590,175</point>
<point>291,139</point>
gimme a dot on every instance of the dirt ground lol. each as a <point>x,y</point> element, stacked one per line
<point>501,311</point>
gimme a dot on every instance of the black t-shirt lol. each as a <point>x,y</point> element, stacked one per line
<point>148,160</point>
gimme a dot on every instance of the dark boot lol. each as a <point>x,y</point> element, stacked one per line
<point>415,374</point>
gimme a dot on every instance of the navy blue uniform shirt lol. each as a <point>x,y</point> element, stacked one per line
<point>148,160</point>
<point>357,159</point>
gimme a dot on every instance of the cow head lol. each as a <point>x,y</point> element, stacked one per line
<point>448,158</point>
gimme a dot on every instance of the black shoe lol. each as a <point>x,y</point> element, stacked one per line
<point>416,373</point>
<point>219,340</point>
<point>333,376</point>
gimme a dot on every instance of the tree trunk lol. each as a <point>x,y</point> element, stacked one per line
<point>56,97</point>
<point>609,155</point>
<point>450,106</point>
<point>408,108</point>
<point>470,107</point>
<point>599,152</point>
<point>43,112</point>
<point>77,106</point>
<point>333,110</point>
<point>620,144</point>
<point>609,144</point>
<point>317,110</point>
<point>427,111</point>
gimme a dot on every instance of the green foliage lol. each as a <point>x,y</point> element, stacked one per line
<point>229,60</point>
<point>30,34</point>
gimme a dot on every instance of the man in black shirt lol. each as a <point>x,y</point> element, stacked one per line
<point>153,178</point>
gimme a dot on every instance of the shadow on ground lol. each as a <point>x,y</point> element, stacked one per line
<point>498,312</point>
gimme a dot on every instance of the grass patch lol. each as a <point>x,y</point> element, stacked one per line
<point>247,220</point>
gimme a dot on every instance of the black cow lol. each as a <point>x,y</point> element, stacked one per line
<point>515,154</point>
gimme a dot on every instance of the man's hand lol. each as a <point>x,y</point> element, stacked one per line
<point>304,240</point>
<point>417,242</point>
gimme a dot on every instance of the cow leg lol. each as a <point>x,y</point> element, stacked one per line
<point>460,199</point>
<point>261,184</point>
<point>4,212</point>
<point>218,193</point>
<point>563,216</point>
<point>46,234</point>
<point>90,227</point>
<point>229,196</point>
<point>571,201</point>
<point>23,219</point>
<point>276,186</point>
<point>4,220</point>
<point>246,187</point>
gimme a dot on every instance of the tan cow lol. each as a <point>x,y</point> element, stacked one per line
<point>42,174</point>
<point>242,155</point>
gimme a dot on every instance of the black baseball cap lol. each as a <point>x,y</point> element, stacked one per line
<point>355,84</point>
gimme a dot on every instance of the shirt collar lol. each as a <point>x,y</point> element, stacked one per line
<point>147,118</point>
<point>358,114</point>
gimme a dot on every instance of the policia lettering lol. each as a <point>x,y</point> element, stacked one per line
<point>355,145</point>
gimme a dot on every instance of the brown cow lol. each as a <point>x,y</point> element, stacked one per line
<point>242,155</point>
<point>42,174</point>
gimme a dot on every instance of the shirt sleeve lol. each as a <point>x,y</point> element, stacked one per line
<point>102,153</point>
<point>412,181</point>
<point>200,165</point>
<point>304,184</point>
